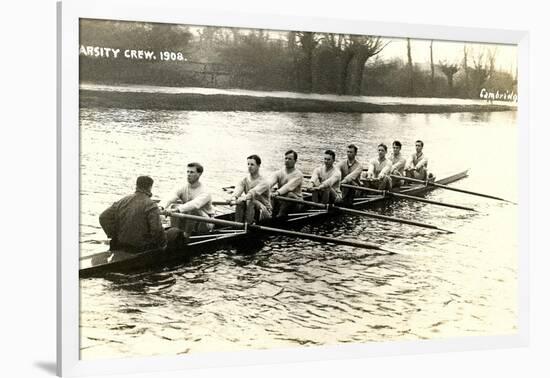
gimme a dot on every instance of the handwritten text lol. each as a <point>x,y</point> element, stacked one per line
<point>503,96</point>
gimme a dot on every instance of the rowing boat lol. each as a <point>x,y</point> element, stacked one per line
<point>122,261</point>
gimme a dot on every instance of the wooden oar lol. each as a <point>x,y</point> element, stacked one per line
<point>94,255</point>
<point>405,196</point>
<point>222,203</point>
<point>364,213</point>
<point>278,231</point>
<point>425,182</point>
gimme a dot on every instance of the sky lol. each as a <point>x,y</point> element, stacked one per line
<point>506,55</point>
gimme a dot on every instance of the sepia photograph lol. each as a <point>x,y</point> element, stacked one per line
<point>254,189</point>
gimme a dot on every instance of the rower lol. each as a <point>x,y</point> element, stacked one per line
<point>192,198</point>
<point>325,181</point>
<point>289,184</point>
<point>398,164</point>
<point>133,223</point>
<point>252,195</point>
<point>350,169</point>
<point>378,173</point>
<point>417,166</point>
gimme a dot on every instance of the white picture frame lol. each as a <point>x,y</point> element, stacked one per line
<point>69,13</point>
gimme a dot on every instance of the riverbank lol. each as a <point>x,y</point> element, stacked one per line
<point>229,102</point>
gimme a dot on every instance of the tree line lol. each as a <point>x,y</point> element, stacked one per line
<point>307,62</point>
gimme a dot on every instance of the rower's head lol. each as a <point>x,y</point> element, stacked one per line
<point>418,145</point>
<point>396,146</point>
<point>329,159</point>
<point>253,162</point>
<point>144,184</point>
<point>351,152</point>
<point>382,150</point>
<point>194,172</point>
<point>290,159</point>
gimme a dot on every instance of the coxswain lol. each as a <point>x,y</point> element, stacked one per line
<point>133,223</point>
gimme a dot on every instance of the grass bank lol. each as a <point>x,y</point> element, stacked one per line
<point>223,102</point>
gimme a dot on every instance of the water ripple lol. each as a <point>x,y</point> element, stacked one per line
<point>282,291</point>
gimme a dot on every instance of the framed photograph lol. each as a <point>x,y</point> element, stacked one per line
<point>249,188</point>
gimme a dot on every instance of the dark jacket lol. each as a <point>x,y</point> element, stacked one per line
<point>134,222</point>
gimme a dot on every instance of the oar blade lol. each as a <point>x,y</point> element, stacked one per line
<point>358,212</point>
<point>318,238</point>
<point>409,197</point>
<point>442,186</point>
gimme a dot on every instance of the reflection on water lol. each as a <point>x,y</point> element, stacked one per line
<point>290,292</point>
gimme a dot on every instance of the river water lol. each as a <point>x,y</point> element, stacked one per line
<point>290,292</point>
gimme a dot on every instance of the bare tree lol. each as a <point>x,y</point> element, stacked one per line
<point>432,66</point>
<point>346,55</point>
<point>466,69</point>
<point>263,35</point>
<point>207,36</point>
<point>308,42</point>
<point>350,54</point>
<point>361,49</point>
<point>291,44</point>
<point>492,58</point>
<point>236,35</point>
<point>410,67</point>
<point>483,68</point>
<point>329,73</point>
<point>449,70</point>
